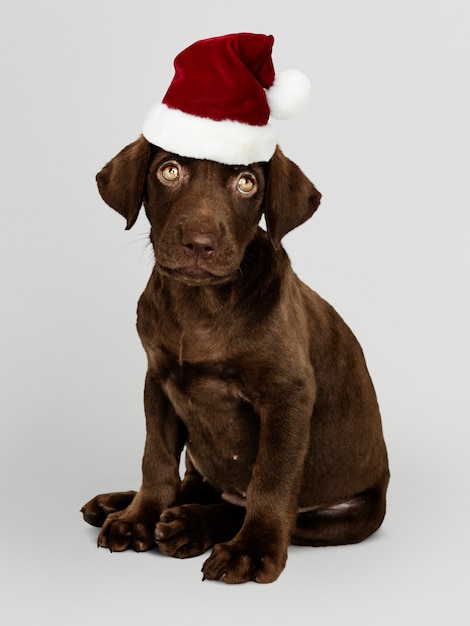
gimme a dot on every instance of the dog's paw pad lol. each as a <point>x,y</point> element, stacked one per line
<point>119,534</point>
<point>96,511</point>
<point>181,531</point>
<point>235,563</point>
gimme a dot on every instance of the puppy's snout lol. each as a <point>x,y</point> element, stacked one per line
<point>199,244</point>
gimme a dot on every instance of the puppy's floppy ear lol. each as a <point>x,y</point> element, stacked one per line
<point>121,181</point>
<point>290,197</point>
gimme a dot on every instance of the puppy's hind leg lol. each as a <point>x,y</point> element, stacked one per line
<point>193,490</point>
<point>348,522</point>
<point>98,508</point>
<point>198,520</point>
<point>191,529</point>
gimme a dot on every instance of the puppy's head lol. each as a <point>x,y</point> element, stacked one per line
<point>203,214</point>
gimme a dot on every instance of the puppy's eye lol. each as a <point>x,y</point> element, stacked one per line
<point>170,172</point>
<point>246,184</point>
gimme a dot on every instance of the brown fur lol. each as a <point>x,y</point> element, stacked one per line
<point>257,376</point>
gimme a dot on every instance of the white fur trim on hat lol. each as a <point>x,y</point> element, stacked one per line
<point>289,94</point>
<point>227,141</point>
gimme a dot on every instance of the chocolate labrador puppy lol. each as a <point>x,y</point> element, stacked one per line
<point>256,376</point>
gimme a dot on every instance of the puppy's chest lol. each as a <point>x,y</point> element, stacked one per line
<point>205,342</point>
<point>204,390</point>
<point>222,425</point>
<point>203,376</point>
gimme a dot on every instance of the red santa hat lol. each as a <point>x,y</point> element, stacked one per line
<point>221,98</point>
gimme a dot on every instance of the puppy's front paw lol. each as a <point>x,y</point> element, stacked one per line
<point>241,561</point>
<point>123,532</point>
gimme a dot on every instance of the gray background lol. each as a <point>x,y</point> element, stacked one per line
<point>386,140</point>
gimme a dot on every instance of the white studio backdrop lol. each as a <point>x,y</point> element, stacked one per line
<point>385,139</point>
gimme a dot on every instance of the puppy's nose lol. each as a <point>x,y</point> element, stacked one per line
<point>198,244</point>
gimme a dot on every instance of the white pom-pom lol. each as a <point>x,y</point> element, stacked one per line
<point>289,94</point>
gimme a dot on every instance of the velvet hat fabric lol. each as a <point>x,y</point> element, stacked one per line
<point>220,100</point>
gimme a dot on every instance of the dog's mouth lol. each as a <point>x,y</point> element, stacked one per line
<point>196,275</point>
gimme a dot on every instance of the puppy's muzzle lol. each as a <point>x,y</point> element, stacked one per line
<point>198,244</point>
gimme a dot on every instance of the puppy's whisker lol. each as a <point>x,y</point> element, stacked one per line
<point>138,239</point>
